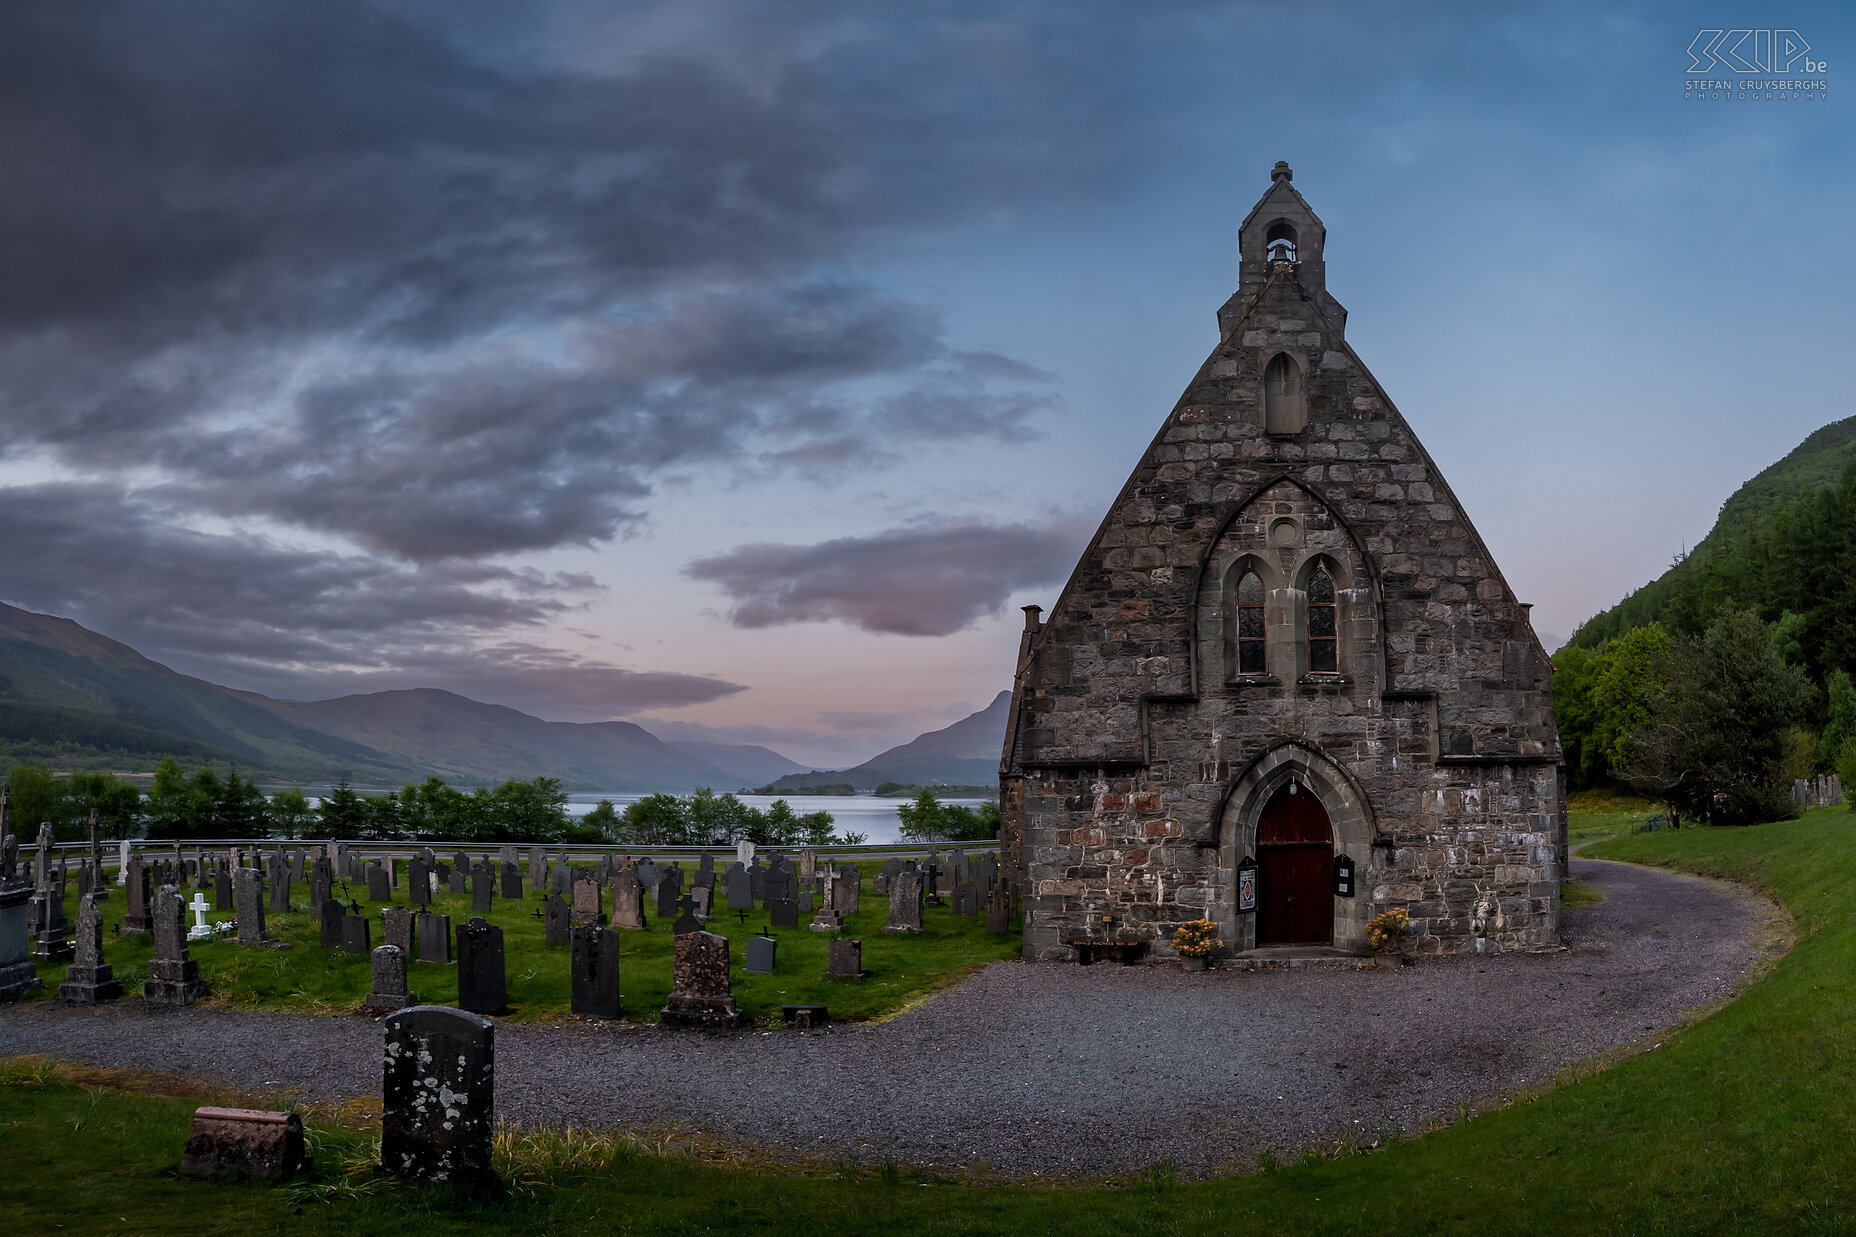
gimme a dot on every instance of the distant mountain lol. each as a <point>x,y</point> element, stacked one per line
<point>72,696</point>
<point>746,764</point>
<point>963,754</point>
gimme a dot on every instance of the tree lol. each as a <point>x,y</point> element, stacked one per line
<point>601,822</point>
<point>1840,722</point>
<point>1627,676</point>
<point>290,813</point>
<point>1715,746</point>
<point>929,820</point>
<point>343,815</point>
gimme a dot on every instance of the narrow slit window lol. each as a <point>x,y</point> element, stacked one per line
<point>1323,639</point>
<point>1285,409</point>
<point>1250,639</point>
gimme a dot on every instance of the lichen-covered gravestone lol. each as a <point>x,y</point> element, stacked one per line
<point>173,975</point>
<point>595,965</point>
<point>999,909</point>
<point>848,896</point>
<point>89,980</point>
<point>845,960</point>
<point>556,920</point>
<point>700,993</point>
<point>438,1096</point>
<point>17,974</point>
<point>905,903</point>
<point>248,905</point>
<point>482,988</point>
<point>396,928</point>
<point>434,938</point>
<point>244,1142</point>
<point>388,991</point>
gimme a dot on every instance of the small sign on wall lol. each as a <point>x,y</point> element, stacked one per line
<point>1247,884</point>
<point>1343,876</point>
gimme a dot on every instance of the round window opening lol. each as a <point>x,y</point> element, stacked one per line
<point>1284,533</point>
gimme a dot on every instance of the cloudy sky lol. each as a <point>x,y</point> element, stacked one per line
<point>739,368</point>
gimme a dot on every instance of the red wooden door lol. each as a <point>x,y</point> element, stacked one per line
<point>1295,871</point>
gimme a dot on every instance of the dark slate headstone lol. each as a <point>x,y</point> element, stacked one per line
<point>332,913</point>
<point>321,882</point>
<point>595,967</point>
<point>438,1095</point>
<point>963,901</point>
<point>460,862</point>
<point>783,912</point>
<point>512,879</point>
<point>419,881</point>
<point>740,887</point>
<point>357,934</point>
<point>379,888</point>
<point>443,871</point>
<point>88,980</point>
<point>700,993</point>
<point>396,929</point>
<point>434,932</point>
<point>669,890</point>
<point>647,874</point>
<point>761,953</point>
<point>891,867</point>
<point>757,880</point>
<point>845,959</point>
<point>627,900</point>
<point>248,905</point>
<point>459,881</point>
<point>687,920</point>
<point>557,920</point>
<point>482,988</point>
<point>480,891</point>
<point>388,991</point>
<point>999,909</point>
<point>173,976</point>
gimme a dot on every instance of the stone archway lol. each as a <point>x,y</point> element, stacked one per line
<point>1349,815</point>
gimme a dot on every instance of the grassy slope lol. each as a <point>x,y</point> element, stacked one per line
<point>1739,1124</point>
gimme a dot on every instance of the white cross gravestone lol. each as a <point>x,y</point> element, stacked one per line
<point>122,867</point>
<point>201,930</point>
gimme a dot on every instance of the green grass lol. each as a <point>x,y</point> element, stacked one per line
<point>1592,815</point>
<point>306,978</point>
<point>1740,1123</point>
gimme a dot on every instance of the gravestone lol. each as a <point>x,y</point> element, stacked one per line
<point>122,862</point>
<point>537,867</point>
<point>388,991</point>
<point>783,912</point>
<point>139,917</point>
<point>321,882</point>
<point>805,902</point>
<point>506,855</point>
<point>561,879</point>
<point>89,980</point>
<point>557,920</point>
<point>989,871</point>
<point>627,900</point>
<point>963,901</point>
<point>669,891</point>
<point>762,950</point>
<point>595,969</point>
<point>740,888</point>
<point>379,888</point>
<point>173,975</point>
<point>808,868</point>
<point>482,988</point>
<point>419,881</point>
<point>458,881</point>
<point>248,905</point>
<point>460,862</point>
<point>744,852</point>
<point>905,903</point>
<point>686,919</point>
<point>999,909</point>
<point>757,880</point>
<point>434,938</point>
<point>512,879</point>
<point>705,872</point>
<point>201,930</point>
<point>438,1096</point>
<point>700,993</point>
<point>18,975</point>
<point>222,887</point>
<point>443,871</point>
<point>879,884</point>
<point>845,959</point>
<point>480,890</point>
<point>647,874</point>
<point>357,934</point>
<point>891,867</point>
<point>396,929</point>
<point>51,938</point>
<point>280,888</point>
<point>331,913</point>
<point>244,1142</point>
<point>588,899</point>
<point>700,897</point>
<point>847,893</point>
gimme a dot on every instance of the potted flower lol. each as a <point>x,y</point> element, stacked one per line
<point>1384,930</point>
<point>1194,941</point>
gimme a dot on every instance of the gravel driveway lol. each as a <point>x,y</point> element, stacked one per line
<point>1060,1069</point>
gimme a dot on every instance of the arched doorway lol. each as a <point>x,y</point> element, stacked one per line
<point>1295,870</point>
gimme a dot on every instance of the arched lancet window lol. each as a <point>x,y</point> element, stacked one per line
<point>1284,409</point>
<point>1279,241</point>
<point>1250,638</point>
<point>1323,630</point>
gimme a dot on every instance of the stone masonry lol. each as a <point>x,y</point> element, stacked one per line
<point>1170,697</point>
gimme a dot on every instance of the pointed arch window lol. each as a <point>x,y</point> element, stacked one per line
<point>1285,408</point>
<point>1250,637</point>
<point>1323,628</point>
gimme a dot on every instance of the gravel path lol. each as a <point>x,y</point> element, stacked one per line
<point>1048,1068</point>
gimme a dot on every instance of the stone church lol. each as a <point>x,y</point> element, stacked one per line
<point>1286,688</point>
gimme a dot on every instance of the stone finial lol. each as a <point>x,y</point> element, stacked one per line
<point>1281,172</point>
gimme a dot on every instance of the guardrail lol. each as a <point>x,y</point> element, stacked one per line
<point>112,848</point>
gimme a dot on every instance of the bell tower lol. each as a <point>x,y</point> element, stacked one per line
<point>1281,240</point>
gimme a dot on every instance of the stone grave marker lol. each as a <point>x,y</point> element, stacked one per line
<point>51,938</point>
<point>512,879</point>
<point>827,919</point>
<point>460,862</point>
<point>669,890</point>
<point>999,910</point>
<point>647,874</point>
<point>627,900</point>
<point>419,881</point>
<point>701,896</point>
<point>537,867</point>
<point>739,886</point>
<point>122,862</point>
<point>589,901</point>
<point>321,882</point>
<point>845,959</point>
<point>280,887</point>
<point>458,881</point>
<point>700,993</point>
<point>18,975</point>
<point>963,901</point>
<point>762,950</point>
<point>388,991</point>
<point>248,905</point>
<point>139,916</point>
<point>201,930</point>
<point>557,920</point>
<point>173,975</point>
<point>222,888</point>
<point>879,884</point>
<point>434,937</point>
<point>808,867</point>
<point>506,855</point>
<point>595,972</point>
<point>561,878</point>
<point>480,890</point>
<point>847,894</point>
<point>438,1096</point>
<point>757,880</point>
<point>396,928</point>
<point>783,912</point>
<point>244,1142</point>
<point>88,980</point>
<point>482,987</point>
<point>379,888</point>
<point>744,852</point>
<point>331,913</point>
<point>686,920</point>
<point>358,934</point>
<point>905,903</point>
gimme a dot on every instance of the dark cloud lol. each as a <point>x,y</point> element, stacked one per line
<point>927,580</point>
